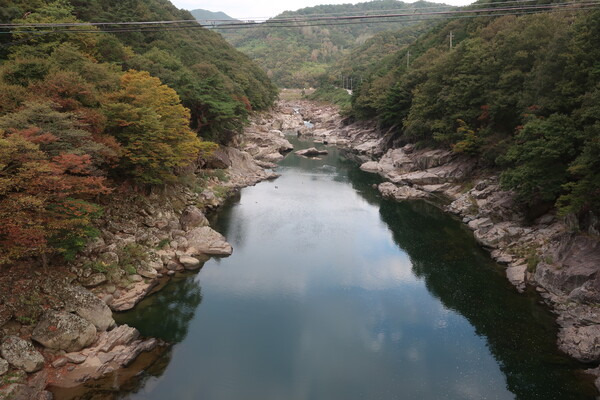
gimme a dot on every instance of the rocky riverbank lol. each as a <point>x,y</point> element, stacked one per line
<point>56,325</point>
<point>550,254</point>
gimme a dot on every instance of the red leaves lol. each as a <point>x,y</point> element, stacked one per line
<point>72,163</point>
<point>41,196</point>
<point>37,136</point>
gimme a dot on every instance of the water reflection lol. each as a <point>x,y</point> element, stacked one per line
<point>166,314</point>
<point>332,293</point>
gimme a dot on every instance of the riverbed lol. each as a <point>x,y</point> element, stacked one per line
<point>335,293</point>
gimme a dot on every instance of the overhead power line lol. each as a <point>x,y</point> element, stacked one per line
<point>155,26</point>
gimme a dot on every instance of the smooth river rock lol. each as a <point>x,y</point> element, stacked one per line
<point>64,331</point>
<point>21,354</point>
<point>311,152</point>
<point>205,240</point>
<point>190,263</point>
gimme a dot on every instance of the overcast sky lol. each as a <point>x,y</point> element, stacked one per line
<point>268,8</point>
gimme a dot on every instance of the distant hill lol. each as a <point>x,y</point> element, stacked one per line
<point>298,57</point>
<point>204,15</point>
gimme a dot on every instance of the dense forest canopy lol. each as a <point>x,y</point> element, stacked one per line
<point>83,112</point>
<point>519,93</point>
<point>297,57</point>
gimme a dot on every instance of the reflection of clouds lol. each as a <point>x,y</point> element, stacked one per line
<point>377,344</point>
<point>327,237</point>
<point>387,273</point>
<point>317,301</point>
<point>412,353</point>
<point>471,389</point>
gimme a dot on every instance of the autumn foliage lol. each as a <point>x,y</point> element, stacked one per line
<point>43,198</point>
<point>147,118</point>
<point>73,124</point>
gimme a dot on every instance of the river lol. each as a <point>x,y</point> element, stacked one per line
<point>335,293</point>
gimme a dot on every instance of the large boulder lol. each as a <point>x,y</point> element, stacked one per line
<point>581,342</point>
<point>89,307</point>
<point>311,152</point>
<point>205,240</point>
<point>64,331</point>
<point>575,264</point>
<point>190,263</point>
<point>218,160</point>
<point>389,190</point>
<point>21,354</point>
<point>192,218</point>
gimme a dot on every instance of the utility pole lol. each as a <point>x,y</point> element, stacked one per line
<point>451,37</point>
<point>408,59</point>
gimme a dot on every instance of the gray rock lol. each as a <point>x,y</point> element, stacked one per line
<point>192,218</point>
<point>147,271</point>
<point>218,160</point>
<point>19,391</point>
<point>517,276</point>
<point>120,336</point>
<point>581,342</point>
<point>21,354</point>
<point>76,358</point>
<point>205,240</point>
<point>134,294</point>
<point>109,258</point>
<point>418,178</point>
<point>94,280</point>
<point>576,259</point>
<point>64,331</point>
<point>311,152</point>
<point>370,166</point>
<point>88,306</point>
<point>388,189</point>
<point>172,266</point>
<point>190,263</point>
<point>3,366</point>
<point>136,278</point>
<point>60,362</point>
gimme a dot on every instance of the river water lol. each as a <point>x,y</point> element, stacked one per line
<point>333,293</point>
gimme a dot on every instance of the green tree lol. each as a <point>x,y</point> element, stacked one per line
<point>539,159</point>
<point>147,118</point>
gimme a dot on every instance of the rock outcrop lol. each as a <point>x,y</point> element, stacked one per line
<point>64,331</point>
<point>21,354</point>
<point>206,240</point>
<point>113,350</point>
<point>562,265</point>
<point>88,306</point>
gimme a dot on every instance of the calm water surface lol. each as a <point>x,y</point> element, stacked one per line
<point>334,293</point>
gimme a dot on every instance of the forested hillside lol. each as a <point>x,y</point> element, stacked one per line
<point>520,93</point>
<point>297,57</point>
<point>82,112</point>
<point>216,18</point>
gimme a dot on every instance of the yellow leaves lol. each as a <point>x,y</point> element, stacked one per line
<point>153,127</point>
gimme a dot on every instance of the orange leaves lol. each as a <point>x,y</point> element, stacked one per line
<point>38,195</point>
<point>37,136</point>
<point>72,163</point>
